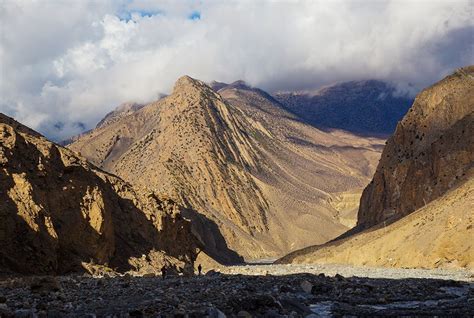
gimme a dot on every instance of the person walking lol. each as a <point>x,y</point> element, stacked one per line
<point>199,269</point>
<point>163,272</point>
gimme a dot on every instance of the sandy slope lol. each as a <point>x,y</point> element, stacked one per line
<point>441,234</point>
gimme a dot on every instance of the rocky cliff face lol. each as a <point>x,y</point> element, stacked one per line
<point>262,182</point>
<point>431,151</point>
<point>365,107</point>
<point>60,214</point>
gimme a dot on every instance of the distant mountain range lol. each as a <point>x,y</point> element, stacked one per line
<point>364,107</point>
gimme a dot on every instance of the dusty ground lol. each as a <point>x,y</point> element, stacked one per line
<point>264,291</point>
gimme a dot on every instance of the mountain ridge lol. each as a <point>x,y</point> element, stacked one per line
<point>232,155</point>
<point>366,107</point>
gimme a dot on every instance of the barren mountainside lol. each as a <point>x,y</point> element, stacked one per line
<point>263,182</point>
<point>431,150</point>
<point>61,214</point>
<point>418,210</point>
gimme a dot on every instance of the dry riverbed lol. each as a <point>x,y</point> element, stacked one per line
<point>246,291</point>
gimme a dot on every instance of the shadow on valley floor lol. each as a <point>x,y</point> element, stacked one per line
<point>211,238</point>
<point>260,296</point>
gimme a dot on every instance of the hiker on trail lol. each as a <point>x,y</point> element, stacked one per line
<point>199,269</point>
<point>163,271</point>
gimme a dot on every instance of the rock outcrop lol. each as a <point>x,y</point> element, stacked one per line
<point>263,182</point>
<point>60,214</point>
<point>430,152</point>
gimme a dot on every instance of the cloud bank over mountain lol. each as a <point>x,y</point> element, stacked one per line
<point>64,64</point>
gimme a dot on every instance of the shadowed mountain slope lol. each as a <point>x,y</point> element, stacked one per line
<point>363,107</point>
<point>60,214</point>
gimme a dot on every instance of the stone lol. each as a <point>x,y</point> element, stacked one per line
<point>306,286</point>
<point>5,311</point>
<point>213,273</point>
<point>45,284</point>
<point>135,313</point>
<point>321,288</point>
<point>244,314</point>
<point>295,306</point>
<point>24,313</point>
<point>215,313</point>
<point>149,275</point>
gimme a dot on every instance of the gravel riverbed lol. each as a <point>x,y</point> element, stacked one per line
<point>344,270</point>
<point>246,291</point>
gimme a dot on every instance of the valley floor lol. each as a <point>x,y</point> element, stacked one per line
<point>349,271</point>
<point>246,291</point>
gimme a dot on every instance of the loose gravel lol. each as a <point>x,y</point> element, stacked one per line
<point>245,291</point>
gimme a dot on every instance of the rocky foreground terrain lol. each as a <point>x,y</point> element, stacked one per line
<point>249,291</point>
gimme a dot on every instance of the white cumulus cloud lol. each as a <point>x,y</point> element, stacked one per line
<point>64,64</point>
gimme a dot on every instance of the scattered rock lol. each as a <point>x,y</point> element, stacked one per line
<point>215,313</point>
<point>24,313</point>
<point>212,273</point>
<point>294,305</point>
<point>236,296</point>
<point>306,286</point>
<point>45,284</point>
<point>244,314</point>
